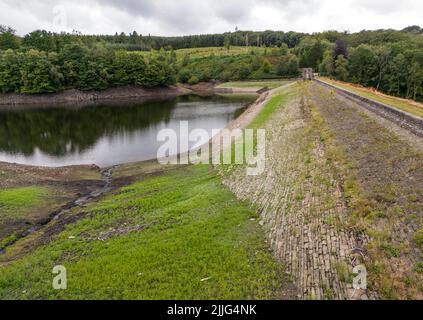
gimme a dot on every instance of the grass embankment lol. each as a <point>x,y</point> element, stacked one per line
<point>254,85</point>
<point>280,97</point>
<point>409,106</point>
<point>177,234</point>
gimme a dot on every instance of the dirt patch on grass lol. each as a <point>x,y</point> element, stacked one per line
<point>64,185</point>
<point>202,88</point>
<point>115,232</point>
<point>14,175</point>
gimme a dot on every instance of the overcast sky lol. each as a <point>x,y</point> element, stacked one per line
<point>178,17</point>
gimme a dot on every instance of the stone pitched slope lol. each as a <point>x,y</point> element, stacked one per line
<point>301,206</point>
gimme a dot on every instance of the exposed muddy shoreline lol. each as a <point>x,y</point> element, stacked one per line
<point>119,93</point>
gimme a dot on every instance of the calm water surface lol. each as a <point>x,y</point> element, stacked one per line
<point>106,134</point>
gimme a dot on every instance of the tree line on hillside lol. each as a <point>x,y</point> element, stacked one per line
<point>391,62</point>
<point>42,61</point>
<point>393,68</point>
<point>80,67</point>
<point>49,41</point>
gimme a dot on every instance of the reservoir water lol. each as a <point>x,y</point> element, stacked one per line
<point>106,134</point>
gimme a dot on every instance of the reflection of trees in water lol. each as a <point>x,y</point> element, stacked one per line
<point>60,131</point>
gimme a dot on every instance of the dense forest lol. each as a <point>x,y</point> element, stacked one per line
<point>41,61</point>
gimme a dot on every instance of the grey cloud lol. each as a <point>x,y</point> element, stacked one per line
<point>186,13</point>
<point>181,16</point>
<point>292,10</point>
<point>175,17</point>
<point>386,6</point>
<point>233,11</point>
<point>42,9</point>
<point>134,7</point>
<point>292,5</point>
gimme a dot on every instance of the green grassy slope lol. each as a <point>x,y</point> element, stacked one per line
<point>254,84</point>
<point>217,51</point>
<point>15,202</point>
<point>181,235</point>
